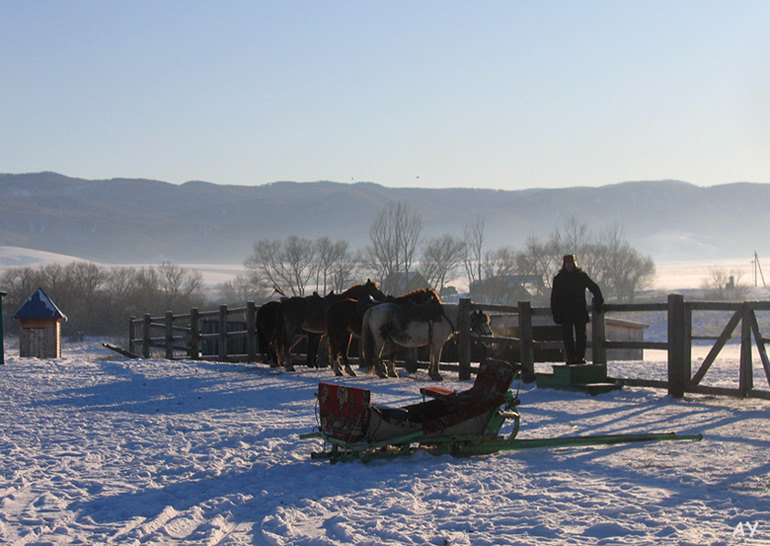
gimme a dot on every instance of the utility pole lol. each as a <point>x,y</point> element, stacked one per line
<point>758,267</point>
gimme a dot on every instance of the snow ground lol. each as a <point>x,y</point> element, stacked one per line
<point>99,449</point>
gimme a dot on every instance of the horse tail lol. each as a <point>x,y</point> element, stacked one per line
<point>262,338</point>
<point>367,345</point>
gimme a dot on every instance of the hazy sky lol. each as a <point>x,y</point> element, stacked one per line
<point>503,94</point>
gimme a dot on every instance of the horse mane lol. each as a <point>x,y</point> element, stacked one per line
<point>420,295</point>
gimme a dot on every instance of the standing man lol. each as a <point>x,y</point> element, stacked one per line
<point>568,307</point>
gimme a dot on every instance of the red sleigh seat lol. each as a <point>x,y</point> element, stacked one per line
<point>343,411</point>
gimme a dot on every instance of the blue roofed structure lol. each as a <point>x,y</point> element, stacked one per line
<point>40,326</point>
<point>39,306</point>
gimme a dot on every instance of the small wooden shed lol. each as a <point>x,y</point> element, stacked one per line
<point>40,326</point>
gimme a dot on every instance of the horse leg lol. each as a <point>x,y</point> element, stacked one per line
<point>334,352</point>
<point>380,368</point>
<point>272,355</point>
<point>348,369</point>
<point>312,350</point>
<point>323,351</point>
<point>371,349</point>
<point>435,356</point>
<point>392,353</point>
<point>392,365</point>
<point>284,357</point>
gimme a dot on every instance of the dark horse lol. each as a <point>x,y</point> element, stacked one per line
<point>267,321</point>
<point>306,316</point>
<point>344,317</point>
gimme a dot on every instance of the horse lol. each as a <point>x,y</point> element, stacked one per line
<point>343,322</point>
<point>306,316</point>
<point>392,324</point>
<point>267,322</point>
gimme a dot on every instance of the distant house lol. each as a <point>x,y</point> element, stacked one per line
<point>401,283</point>
<point>40,326</point>
<point>506,289</point>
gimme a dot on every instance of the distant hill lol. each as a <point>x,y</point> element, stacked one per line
<point>148,221</point>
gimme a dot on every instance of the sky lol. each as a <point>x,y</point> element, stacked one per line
<point>490,94</point>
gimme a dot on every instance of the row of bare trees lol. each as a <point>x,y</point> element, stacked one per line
<point>397,248</point>
<point>607,257</point>
<point>98,300</point>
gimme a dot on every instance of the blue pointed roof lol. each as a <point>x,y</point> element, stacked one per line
<point>39,306</point>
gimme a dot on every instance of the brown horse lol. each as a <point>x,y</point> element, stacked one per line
<point>306,316</point>
<point>344,317</point>
<point>343,321</point>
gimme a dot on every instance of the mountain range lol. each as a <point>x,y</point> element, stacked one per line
<point>149,221</point>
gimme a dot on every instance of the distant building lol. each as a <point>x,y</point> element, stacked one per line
<point>401,283</point>
<point>506,289</point>
<point>40,326</point>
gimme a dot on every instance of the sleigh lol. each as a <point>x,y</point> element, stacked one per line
<point>446,422</point>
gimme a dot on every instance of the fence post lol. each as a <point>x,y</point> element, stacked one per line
<point>223,332</point>
<point>195,334</point>
<point>526,342</point>
<point>677,378</point>
<point>169,335</point>
<point>687,344</point>
<point>251,331</point>
<point>131,334</point>
<point>598,338</point>
<point>464,338</point>
<point>147,320</point>
<point>746,382</point>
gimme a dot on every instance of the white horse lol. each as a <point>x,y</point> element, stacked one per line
<point>388,325</point>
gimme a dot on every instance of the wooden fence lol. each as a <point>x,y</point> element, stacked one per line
<point>184,336</point>
<point>233,338</point>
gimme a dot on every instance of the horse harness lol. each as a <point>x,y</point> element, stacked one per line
<point>429,313</point>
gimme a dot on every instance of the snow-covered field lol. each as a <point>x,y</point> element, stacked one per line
<point>96,448</point>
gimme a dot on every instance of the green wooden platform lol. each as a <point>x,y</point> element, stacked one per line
<point>590,378</point>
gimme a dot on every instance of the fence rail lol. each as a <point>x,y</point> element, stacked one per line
<point>229,334</point>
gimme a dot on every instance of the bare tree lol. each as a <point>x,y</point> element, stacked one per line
<point>620,269</point>
<point>178,285</point>
<point>242,289</point>
<point>573,237</point>
<point>537,260</point>
<point>330,258</point>
<point>722,285</point>
<point>440,259</point>
<point>499,262</point>
<point>119,284</point>
<point>87,278</point>
<point>395,235</point>
<point>608,259</point>
<point>99,301</point>
<point>298,259</point>
<point>474,250</point>
<point>345,271</point>
<point>265,263</point>
<point>287,265</point>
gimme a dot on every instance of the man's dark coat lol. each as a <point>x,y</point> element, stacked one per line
<point>568,296</point>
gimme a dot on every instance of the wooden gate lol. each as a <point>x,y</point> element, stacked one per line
<point>745,314</point>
